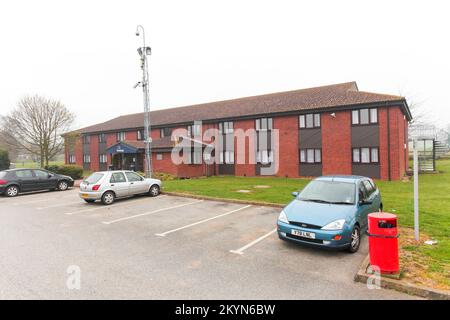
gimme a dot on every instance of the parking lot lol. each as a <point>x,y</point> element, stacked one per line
<point>163,248</point>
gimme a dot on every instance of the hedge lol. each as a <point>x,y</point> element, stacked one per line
<point>75,172</point>
<point>4,160</point>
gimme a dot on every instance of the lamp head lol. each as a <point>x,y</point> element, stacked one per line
<point>137,32</point>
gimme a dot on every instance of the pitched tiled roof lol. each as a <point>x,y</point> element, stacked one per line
<point>325,97</point>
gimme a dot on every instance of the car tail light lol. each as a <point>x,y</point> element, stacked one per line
<point>96,187</point>
<point>2,182</point>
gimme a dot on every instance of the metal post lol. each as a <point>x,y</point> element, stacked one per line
<point>146,95</point>
<point>416,191</point>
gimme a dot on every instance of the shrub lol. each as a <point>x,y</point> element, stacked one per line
<point>75,172</point>
<point>4,160</point>
<point>163,176</point>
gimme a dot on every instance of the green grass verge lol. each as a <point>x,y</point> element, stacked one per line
<point>434,203</point>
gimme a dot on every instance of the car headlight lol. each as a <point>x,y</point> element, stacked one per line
<point>335,225</point>
<point>282,217</point>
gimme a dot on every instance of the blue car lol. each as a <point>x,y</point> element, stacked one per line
<point>330,212</point>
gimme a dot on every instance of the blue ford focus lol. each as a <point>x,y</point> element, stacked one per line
<point>331,212</point>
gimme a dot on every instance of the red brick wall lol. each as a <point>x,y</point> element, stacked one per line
<point>288,145</point>
<point>79,152</point>
<point>93,149</point>
<point>165,165</point>
<point>246,169</point>
<point>131,135</point>
<point>336,143</point>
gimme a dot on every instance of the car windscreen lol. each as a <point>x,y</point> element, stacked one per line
<point>329,192</point>
<point>94,178</point>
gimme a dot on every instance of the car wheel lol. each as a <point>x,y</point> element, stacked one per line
<point>355,240</point>
<point>154,190</point>
<point>12,191</point>
<point>108,198</point>
<point>63,186</point>
<point>89,200</point>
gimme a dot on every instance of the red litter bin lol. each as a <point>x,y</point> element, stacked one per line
<point>383,241</point>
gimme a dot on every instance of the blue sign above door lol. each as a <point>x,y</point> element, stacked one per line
<point>121,147</point>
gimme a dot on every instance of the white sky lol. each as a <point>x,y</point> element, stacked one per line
<point>84,52</point>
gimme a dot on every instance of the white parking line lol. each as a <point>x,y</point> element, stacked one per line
<point>251,244</point>
<point>128,203</point>
<point>202,221</point>
<point>61,205</point>
<point>151,212</point>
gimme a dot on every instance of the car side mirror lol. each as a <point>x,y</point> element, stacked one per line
<point>50,175</point>
<point>295,194</point>
<point>364,202</point>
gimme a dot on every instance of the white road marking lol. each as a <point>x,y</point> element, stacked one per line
<point>151,212</point>
<point>61,205</point>
<point>251,244</point>
<point>201,221</point>
<point>98,207</point>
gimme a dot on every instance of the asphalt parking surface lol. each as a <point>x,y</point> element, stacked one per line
<point>163,248</point>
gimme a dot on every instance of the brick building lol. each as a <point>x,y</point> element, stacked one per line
<point>333,129</point>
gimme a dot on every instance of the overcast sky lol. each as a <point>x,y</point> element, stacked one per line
<point>84,52</point>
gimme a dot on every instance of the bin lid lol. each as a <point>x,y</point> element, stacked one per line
<point>382,215</point>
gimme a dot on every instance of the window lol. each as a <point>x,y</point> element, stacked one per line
<point>86,139</point>
<point>103,158</point>
<point>356,155</point>
<point>117,177</point>
<point>140,134</point>
<point>264,124</point>
<point>362,192</point>
<point>365,116</point>
<point>159,156</point>
<point>197,157</point>
<point>369,187</point>
<point>120,136</point>
<point>72,158</point>
<point>355,117</point>
<point>226,157</point>
<point>41,174</point>
<point>310,155</point>
<point>165,132</point>
<point>194,130</point>
<point>86,158</point>
<point>365,155</point>
<point>226,127</point>
<point>101,138</point>
<point>264,156</point>
<point>311,120</point>
<point>24,174</point>
<point>373,116</point>
<point>94,178</point>
<point>132,177</point>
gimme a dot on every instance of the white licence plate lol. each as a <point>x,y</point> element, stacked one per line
<point>304,234</point>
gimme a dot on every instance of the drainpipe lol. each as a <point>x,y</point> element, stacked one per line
<point>389,142</point>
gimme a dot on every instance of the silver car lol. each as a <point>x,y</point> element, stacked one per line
<point>107,186</point>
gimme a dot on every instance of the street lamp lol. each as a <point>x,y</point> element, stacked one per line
<point>145,51</point>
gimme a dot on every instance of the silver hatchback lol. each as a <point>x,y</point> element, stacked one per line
<point>107,186</point>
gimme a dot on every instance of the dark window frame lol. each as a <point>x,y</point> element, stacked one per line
<point>140,135</point>
<point>314,126</point>
<point>267,120</point>
<point>370,155</point>
<point>306,155</point>
<point>101,138</point>
<point>370,123</point>
<point>86,139</point>
<point>118,134</point>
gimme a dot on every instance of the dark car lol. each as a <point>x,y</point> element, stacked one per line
<point>14,181</point>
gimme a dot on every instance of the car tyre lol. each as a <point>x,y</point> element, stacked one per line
<point>63,185</point>
<point>154,190</point>
<point>355,240</point>
<point>12,191</point>
<point>108,198</point>
<point>89,200</point>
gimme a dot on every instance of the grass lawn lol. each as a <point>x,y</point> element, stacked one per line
<point>434,202</point>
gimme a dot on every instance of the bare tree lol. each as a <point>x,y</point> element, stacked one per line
<point>36,126</point>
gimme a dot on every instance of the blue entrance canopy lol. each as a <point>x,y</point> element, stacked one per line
<point>122,147</point>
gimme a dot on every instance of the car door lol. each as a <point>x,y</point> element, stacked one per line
<point>43,180</point>
<point>27,180</point>
<point>119,184</point>
<point>137,183</point>
<point>364,208</point>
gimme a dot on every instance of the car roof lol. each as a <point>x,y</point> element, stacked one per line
<point>342,178</point>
